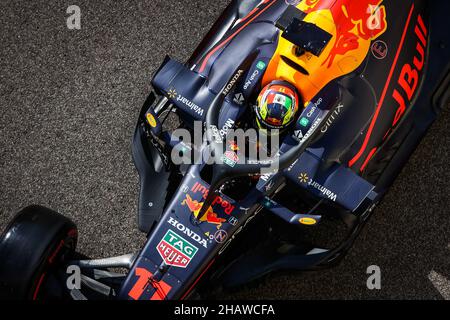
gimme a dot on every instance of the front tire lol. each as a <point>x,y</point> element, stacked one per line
<point>35,243</point>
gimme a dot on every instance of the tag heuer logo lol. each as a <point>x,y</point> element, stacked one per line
<point>175,250</point>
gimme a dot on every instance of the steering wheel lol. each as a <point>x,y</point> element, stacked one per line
<point>222,172</point>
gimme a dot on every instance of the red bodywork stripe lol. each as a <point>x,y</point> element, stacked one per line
<point>58,248</point>
<point>383,95</point>
<point>368,159</point>
<point>249,15</point>
<point>203,66</point>
<point>38,287</point>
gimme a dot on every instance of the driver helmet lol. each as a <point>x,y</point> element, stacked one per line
<point>277,106</point>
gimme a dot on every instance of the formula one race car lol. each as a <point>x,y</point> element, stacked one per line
<point>339,93</point>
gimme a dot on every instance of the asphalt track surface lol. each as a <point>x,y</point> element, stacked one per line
<point>68,105</point>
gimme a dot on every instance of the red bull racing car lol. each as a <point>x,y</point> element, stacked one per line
<point>359,83</point>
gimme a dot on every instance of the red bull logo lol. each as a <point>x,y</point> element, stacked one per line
<point>410,74</point>
<point>210,216</point>
<point>353,25</point>
<point>233,146</point>
<point>356,21</point>
<point>218,200</point>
